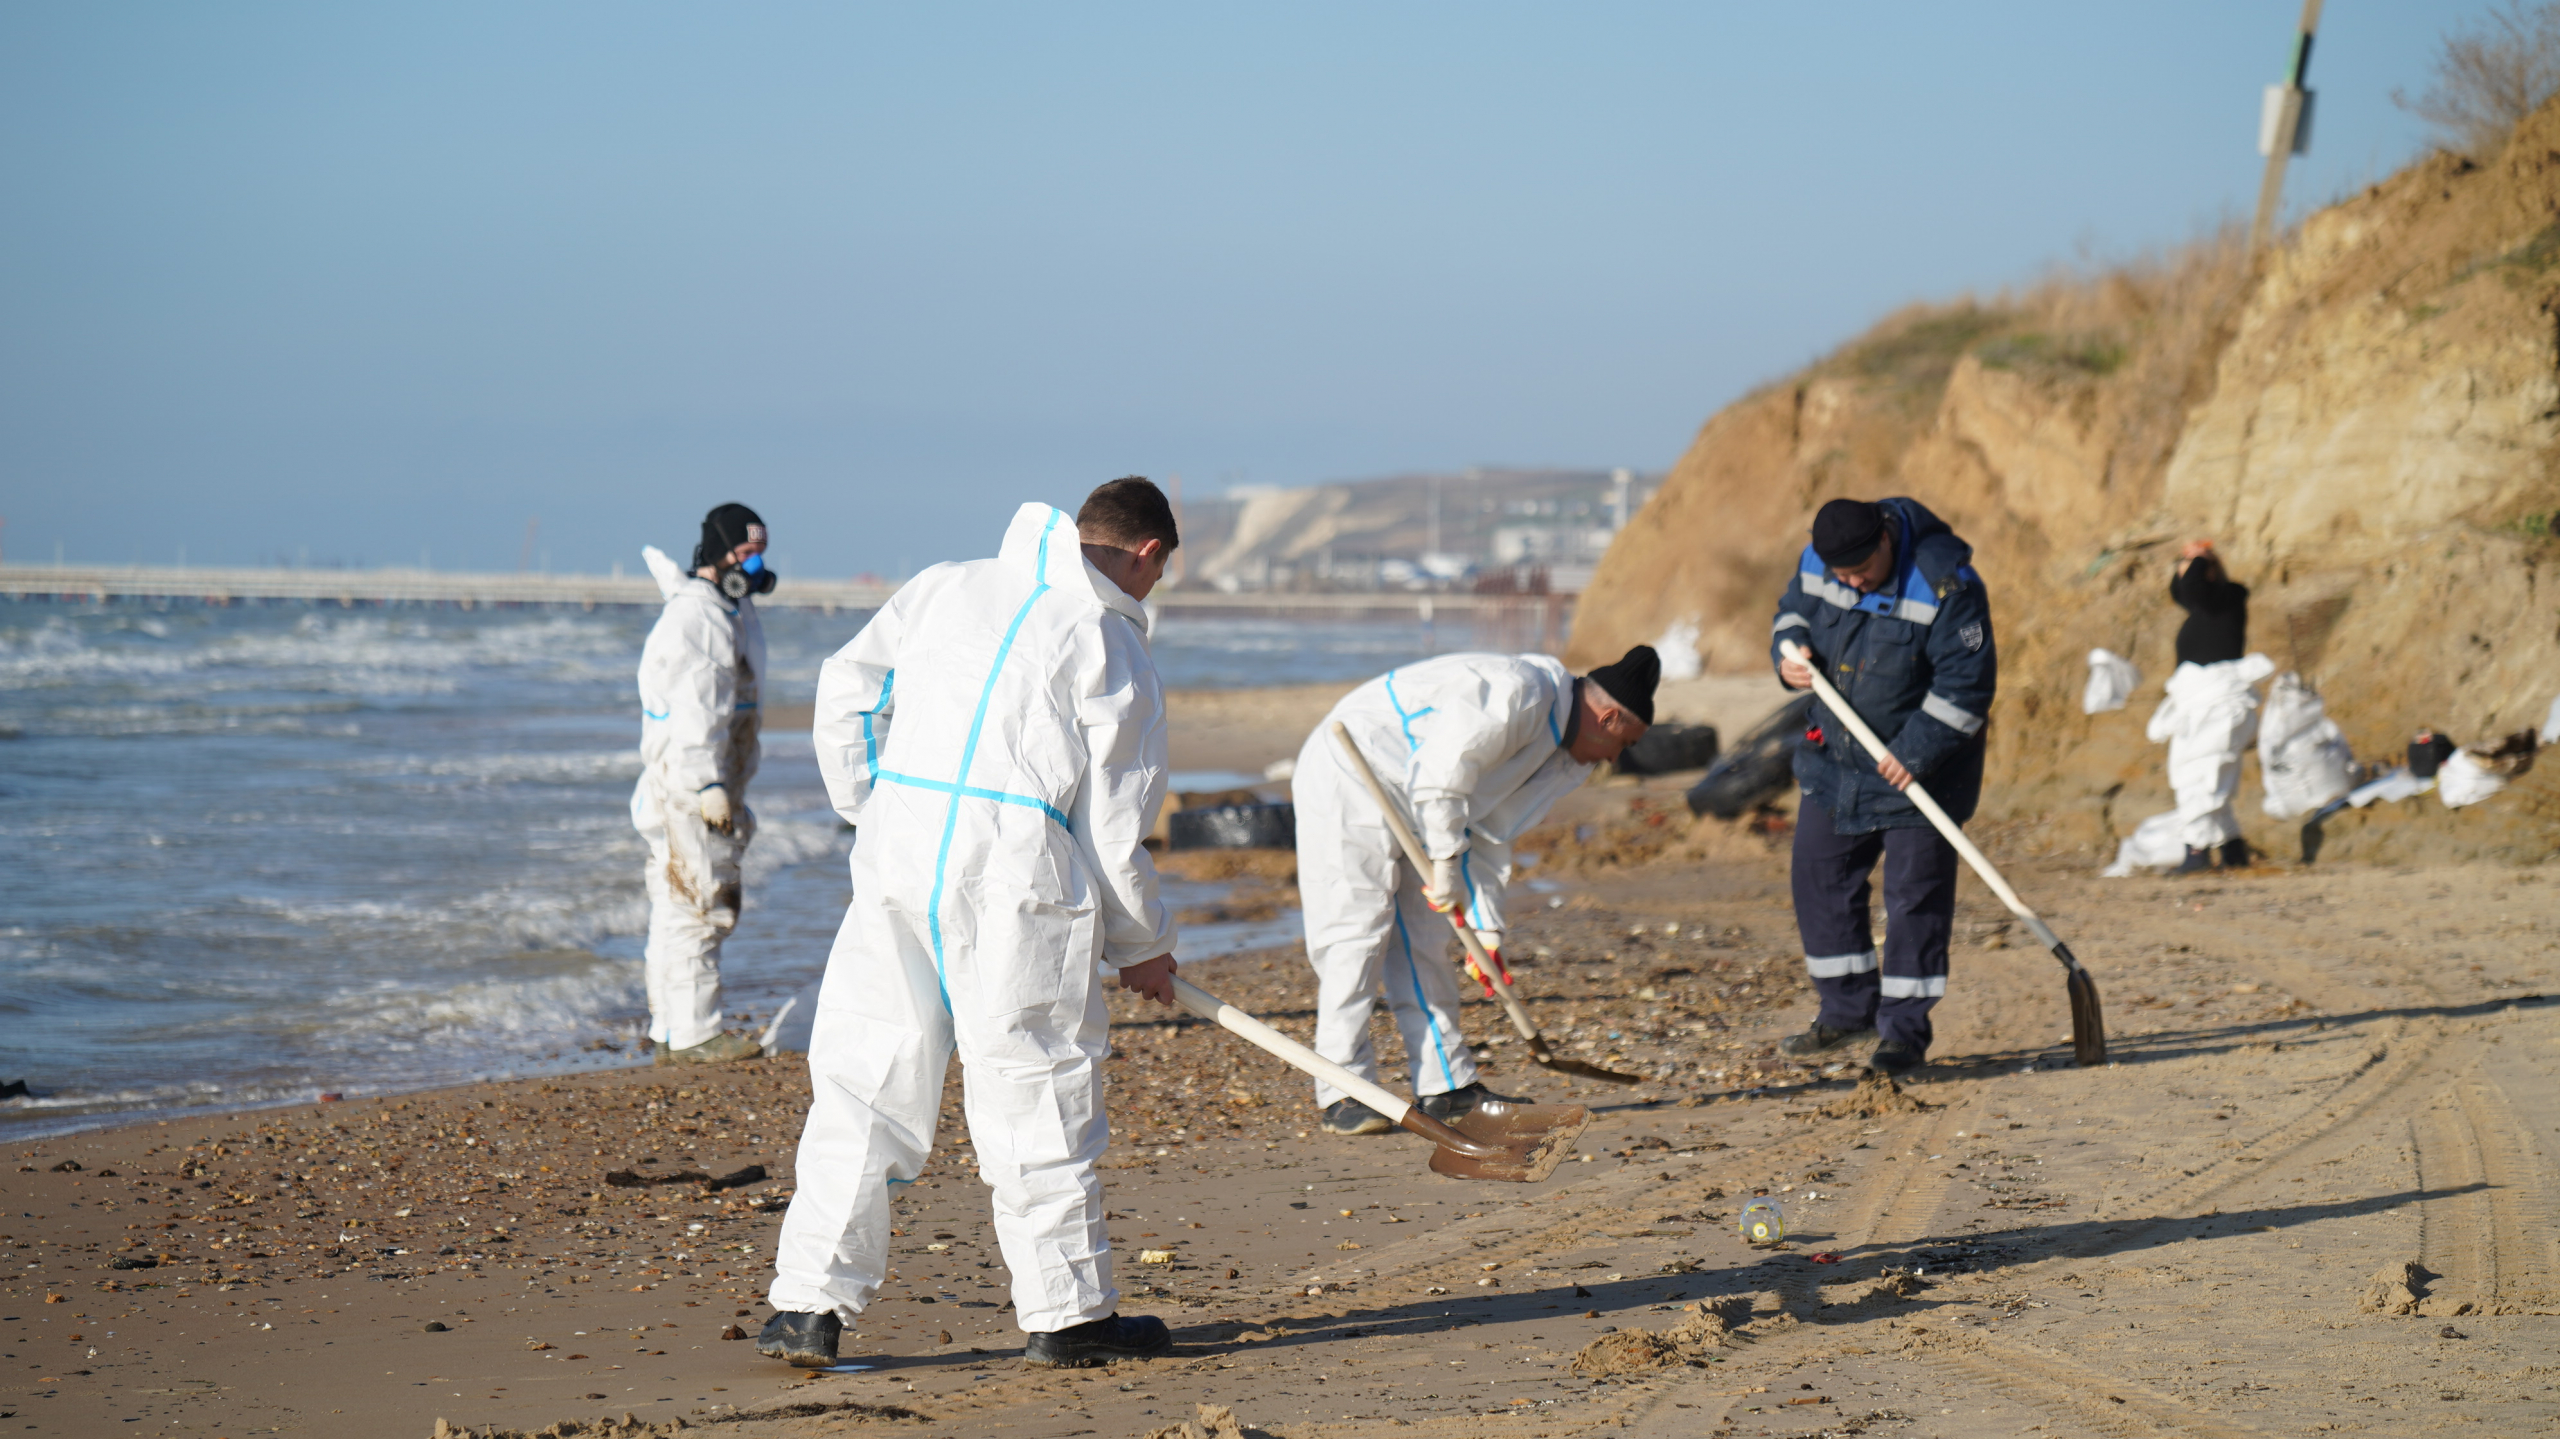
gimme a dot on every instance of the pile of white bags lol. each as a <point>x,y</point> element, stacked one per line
<point>2112,681</point>
<point>2303,757</point>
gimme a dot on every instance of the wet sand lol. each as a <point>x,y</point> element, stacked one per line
<point>2319,1073</point>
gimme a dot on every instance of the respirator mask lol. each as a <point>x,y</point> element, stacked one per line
<point>748,578</point>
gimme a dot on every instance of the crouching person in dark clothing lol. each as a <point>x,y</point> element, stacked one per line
<point>1886,600</point>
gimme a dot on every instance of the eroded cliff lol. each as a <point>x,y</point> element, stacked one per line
<point>2367,421</point>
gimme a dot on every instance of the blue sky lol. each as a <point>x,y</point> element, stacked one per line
<point>371,281</point>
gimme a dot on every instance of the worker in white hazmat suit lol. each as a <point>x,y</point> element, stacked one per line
<point>700,674</point>
<point>1474,748</point>
<point>997,736</point>
<point>2210,717</point>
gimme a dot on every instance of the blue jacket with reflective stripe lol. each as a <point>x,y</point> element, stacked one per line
<point>1915,659</point>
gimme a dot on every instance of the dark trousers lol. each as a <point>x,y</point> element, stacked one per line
<point>1831,889</point>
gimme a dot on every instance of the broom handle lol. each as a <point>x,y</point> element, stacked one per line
<point>1928,806</point>
<point>1495,976</point>
<point>1289,1051</point>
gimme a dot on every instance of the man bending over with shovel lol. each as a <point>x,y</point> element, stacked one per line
<point>1886,600</point>
<point>1474,748</point>
<point>997,733</point>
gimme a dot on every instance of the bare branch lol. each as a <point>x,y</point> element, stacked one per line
<point>2488,80</point>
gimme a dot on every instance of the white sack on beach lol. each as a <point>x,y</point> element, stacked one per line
<point>2112,681</point>
<point>2462,780</point>
<point>1678,650</point>
<point>788,1030</point>
<point>2302,755</point>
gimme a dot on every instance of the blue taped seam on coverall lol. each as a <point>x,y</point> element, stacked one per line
<point>1439,1045</point>
<point>969,754</point>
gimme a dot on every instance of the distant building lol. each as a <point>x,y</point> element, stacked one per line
<point>1503,531</point>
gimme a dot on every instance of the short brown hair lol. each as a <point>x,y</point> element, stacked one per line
<point>1127,512</point>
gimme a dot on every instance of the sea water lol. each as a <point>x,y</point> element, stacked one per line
<point>263,852</point>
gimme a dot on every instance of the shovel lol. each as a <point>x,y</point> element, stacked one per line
<point>1487,967</point>
<point>2088,1022</point>
<point>1522,1143</point>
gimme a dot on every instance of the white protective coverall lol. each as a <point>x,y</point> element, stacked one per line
<point>1471,746</point>
<point>698,727</point>
<point>2209,718</point>
<point>996,735</point>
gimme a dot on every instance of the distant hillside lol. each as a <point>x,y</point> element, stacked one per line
<point>2368,422</point>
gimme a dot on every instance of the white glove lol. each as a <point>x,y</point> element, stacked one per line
<point>715,809</point>
<point>1441,890</point>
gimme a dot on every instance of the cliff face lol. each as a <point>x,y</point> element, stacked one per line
<point>2368,423</point>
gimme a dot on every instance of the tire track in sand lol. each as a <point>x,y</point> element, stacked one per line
<point>2492,1239</point>
<point>2102,1403</point>
<point>2400,1059</point>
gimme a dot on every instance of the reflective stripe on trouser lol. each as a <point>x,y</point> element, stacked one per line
<point>1895,989</point>
<point>1032,1091</point>
<point>695,893</point>
<point>1369,930</point>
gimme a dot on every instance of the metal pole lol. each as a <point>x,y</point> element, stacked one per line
<point>2280,138</point>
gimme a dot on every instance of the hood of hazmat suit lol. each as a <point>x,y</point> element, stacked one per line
<point>996,735</point>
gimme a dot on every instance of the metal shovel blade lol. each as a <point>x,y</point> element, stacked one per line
<point>1499,1139</point>
<point>2088,1020</point>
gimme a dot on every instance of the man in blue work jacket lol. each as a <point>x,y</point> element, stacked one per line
<point>1887,602</point>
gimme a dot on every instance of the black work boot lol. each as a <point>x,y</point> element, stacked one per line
<point>1822,1039</point>
<point>1097,1342</point>
<point>1350,1116</point>
<point>1895,1057</point>
<point>1457,1104</point>
<point>2235,854</point>
<point>2196,862</point>
<point>808,1341</point>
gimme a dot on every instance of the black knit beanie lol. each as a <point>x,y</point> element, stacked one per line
<point>1631,681</point>
<point>723,530</point>
<point>1845,532</point>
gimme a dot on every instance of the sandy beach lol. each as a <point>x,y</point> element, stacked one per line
<point>2321,1075</point>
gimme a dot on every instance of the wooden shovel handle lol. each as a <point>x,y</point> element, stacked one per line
<point>1928,806</point>
<point>1398,1111</point>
